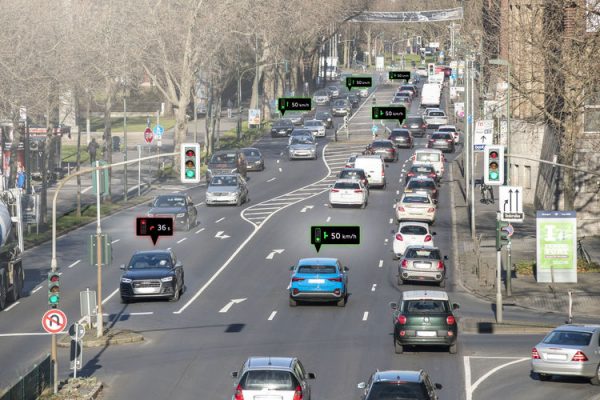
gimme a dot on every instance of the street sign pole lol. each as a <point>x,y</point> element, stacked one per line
<point>99,318</point>
<point>508,270</point>
<point>498,279</point>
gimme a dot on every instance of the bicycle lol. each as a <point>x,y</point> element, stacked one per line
<point>582,252</point>
<point>487,194</point>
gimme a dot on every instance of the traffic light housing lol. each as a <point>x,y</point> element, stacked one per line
<point>190,163</point>
<point>53,289</point>
<point>493,165</point>
<point>502,237</point>
<point>430,69</point>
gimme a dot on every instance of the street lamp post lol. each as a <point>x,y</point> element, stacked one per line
<point>500,61</point>
<point>125,95</point>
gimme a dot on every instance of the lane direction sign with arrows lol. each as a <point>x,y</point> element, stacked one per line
<point>511,204</point>
<point>484,134</point>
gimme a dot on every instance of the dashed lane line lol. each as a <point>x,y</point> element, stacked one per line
<point>373,287</point>
<point>199,230</point>
<point>272,179</point>
<point>365,316</point>
<point>74,264</point>
<point>115,241</point>
<point>273,314</point>
<point>181,240</point>
<point>13,305</point>
<point>219,220</point>
<point>380,263</point>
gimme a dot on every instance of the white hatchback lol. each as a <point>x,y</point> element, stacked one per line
<point>409,234</point>
<point>348,192</point>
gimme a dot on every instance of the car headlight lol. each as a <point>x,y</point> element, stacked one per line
<point>180,215</point>
<point>166,279</point>
<point>126,280</point>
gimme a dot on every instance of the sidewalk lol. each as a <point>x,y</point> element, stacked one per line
<point>478,274</point>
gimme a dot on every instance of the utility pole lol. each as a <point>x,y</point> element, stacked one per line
<point>472,149</point>
<point>125,142</point>
<point>468,145</point>
<point>498,276</point>
<point>99,317</point>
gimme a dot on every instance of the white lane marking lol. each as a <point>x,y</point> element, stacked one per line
<point>199,204</point>
<point>221,235</point>
<point>380,263</point>
<point>328,219</point>
<point>272,316</point>
<point>467,366</point>
<point>310,207</point>
<point>280,169</point>
<point>470,389</point>
<point>219,220</point>
<point>72,265</point>
<point>36,289</point>
<point>385,241</point>
<point>86,189</point>
<point>373,287</point>
<point>272,179</point>
<point>110,295</point>
<point>115,241</point>
<point>181,240</point>
<point>397,191</point>
<point>200,230</point>
<point>277,161</point>
<point>141,313</point>
<point>257,213</point>
<point>11,306</point>
<point>391,220</point>
<point>272,254</point>
<point>26,334</point>
<point>403,170</point>
<point>230,304</point>
<point>365,316</point>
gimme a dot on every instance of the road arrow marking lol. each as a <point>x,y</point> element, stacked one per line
<point>373,287</point>
<point>306,208</point>
<point>230,304</point>
<point>272,254</point>
<point>328,219</point>
<point>221,235</point>
<point>74,264</point>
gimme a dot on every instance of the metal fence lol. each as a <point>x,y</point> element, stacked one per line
<point>31,385</point>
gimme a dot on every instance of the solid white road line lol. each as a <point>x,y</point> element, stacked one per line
<point>272,316</point>
<point>219,220</point>
<point>11,306</point>
<point>365,316</point>
<point>272,179</point>
<point>280,169</point>
<point>489,373</point>
<point>115,241</point>
<point>181,240</point>
<point>26,334</point>
<point>110,296</point>
<point>74,264</point>
<point>36,289</point>
<point>200,230</point>
<point>328,219</point>
<point>385,241</point>
<point>86,189</point>
<point>391,220</point>
<point>373,287</point>
<point>277,161</point>
<point>467,366</point>
<point>141,313</point>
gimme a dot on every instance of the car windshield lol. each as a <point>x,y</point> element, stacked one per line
<point>426,306</point>
<point>268,379</point>
<point>251,153</point>
<point>301,132</point>
<point>428,157</point>
<point>223,158</point>
<point>420,184</point>
<point>351,175</point>
<point>169,201</point>
<point>568,338</point>
<point>302,140</point>
<point>339,103</point>
<point>322,116</point>
<point>413,230</point>
<point>398,391</point>
<point>312,123</point>
<point>150,260</point>
<point>320,93</point>
<point>406,87</point>
<point>316,269</point>
<point>426,254</point>
<point>224,181</point>
<point>415,200</point>
<point>346,185</point>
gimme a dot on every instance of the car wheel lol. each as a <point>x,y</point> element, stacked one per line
<point>124,300</point>
<point>595,380</point>
<point>453,348</point>
<point>293,303</point>
<point>398,348</point>
<point>175,296</point>
<point>341,302</point>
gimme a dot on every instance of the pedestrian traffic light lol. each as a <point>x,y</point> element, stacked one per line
<point>493,165</point>
<point>53,289</point>
<point>502,237</point>
<point>190,163</point>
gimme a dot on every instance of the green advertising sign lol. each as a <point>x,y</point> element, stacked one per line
<point>556,246</point>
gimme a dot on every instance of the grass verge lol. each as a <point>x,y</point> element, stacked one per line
<point>527,268</point>
<point>134,124</point>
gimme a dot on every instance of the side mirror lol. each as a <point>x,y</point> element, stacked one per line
<point>311,375</point>
<point>438,386</point>
<point>393,305</point>
<point>361,385</point>
<point>346,269</point>
<point>122,267</point>
<point>178,264</point>
<point>234,374</point>
<point>455,306</point>
<point>445,258</point>
<point>292,268</point>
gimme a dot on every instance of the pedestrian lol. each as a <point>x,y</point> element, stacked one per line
<point>20,176</point>
<point>92,148</point>
<point>229,107</point>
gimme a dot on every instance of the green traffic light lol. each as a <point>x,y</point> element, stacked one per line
<point>493,175</point>
<point>53,299</point>
<point>190,173</point>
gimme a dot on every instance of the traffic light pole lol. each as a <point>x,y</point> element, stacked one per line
<point>508,270</point>
<point>99,317</point>
<point>498,274</point>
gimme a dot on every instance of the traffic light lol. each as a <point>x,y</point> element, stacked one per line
<point>430,69</point>
<point>190,163</point>
<point>493,164</point>
<point>502,237</point>
<point>53,289</point>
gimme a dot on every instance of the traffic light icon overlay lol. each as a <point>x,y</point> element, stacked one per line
<point>190,163</point>
<point>53,289</point>
<point>493,164</point>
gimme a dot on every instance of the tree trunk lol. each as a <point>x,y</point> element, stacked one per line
<point>108,134</point>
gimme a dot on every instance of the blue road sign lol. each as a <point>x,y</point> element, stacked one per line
<point>374,129</point>
<point>158,130</point>
<point>479,147</point>
<point>470,119</point>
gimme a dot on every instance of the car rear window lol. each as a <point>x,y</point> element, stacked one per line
<point>429,254</point>
<point>316,269</point>
<point>415,200</point>
<point>568,338</point>
<point>437,114</point>
<point>412,120</point>
<point>346,185</point>
<point>229,158</point>
<point>426,306</point>
<point>413,230</point>
<point>398,390</point>
<point>350,175</point>
<point>420,184</point>
<point>383,144</point>
<point>428,157</point>
<point>447,130</point>
<point>441,136</point>
<point>400,133</point>
<point>268,379</point>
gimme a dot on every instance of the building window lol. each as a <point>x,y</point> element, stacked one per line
<point>514,176</point>
<point>591,119</point>
<point>527,177</point>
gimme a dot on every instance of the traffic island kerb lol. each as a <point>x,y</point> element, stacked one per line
<point>76,389</point>
<point>110,337</point>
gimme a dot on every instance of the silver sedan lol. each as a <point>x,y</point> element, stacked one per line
<point>227,189</point>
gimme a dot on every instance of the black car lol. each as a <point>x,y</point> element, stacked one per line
<point>399,385</point>
<point>401,138</point>
<point>326,117</point>
<point>354,100</point>
<point>416,125</point>
<point>152,274</point>
<point>254,159</point>
<point>178,206</point>
<point>282,127</point>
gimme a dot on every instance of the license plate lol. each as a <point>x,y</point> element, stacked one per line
<point>427,333</point>
<point>422,265</point>
<point>316,281</point>
<point>562,357</point>
<point>145,290</point>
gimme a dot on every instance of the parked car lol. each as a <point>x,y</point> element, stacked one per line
<point>422,263</point>
<point>254,159</point>
<point>302,147</point>
<point>227,189</point>
<point>416,125</point>
<point>421,171</point>
<point>411,233</point>
<point>316,127</point>
<point>348,192</point>
<point>441,140</point>
<point>415,207</point>
<point>356,174</point>
<point>226,162</point>
<point>385,148</point>
<point>384,385</point>
<point>325,117</point>
<point>425,317</point>
<point>422,186</point>
<point>569,350</point>
<point>401,138</point>
<point>282,127</point>
<point>321,97</point>
<point>178,206</point>
<point>319,279</point>
<point>272,377</point>
<point>152,274</point>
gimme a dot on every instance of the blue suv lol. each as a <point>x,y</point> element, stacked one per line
<point>319,279</point>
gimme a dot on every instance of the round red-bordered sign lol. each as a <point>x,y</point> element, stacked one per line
<point>54,321</point>
<point>148,135</point>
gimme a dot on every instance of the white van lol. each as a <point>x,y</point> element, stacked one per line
<point>431,94</point>
<point>374,168</point>
<point>432,157</point>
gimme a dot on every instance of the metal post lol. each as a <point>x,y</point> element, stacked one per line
<point>472,150</point>
<point>125,144</point>
<point>75,353</point>
<point>508,269</point>
<point>54,361</point>
<point>99,319</point>
<point>498,279</point>
<point>468,145</point>
<point>239,125</point>
<point>570,320</point>
<point>27,165</point>
<point>139,147</point>
<point>508,121</point>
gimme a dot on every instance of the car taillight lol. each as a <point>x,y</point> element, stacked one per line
<point>534,354</point>
<point>430,209</point>
<point>424,126</point>
<point>335,190</point>
<point>400,208</point>
<point>410,174</point>
<point>430,140</point>
<point>238,393</point>
<point>404,264</point>
<point>402,319</point>
<point>432,175</point>
<point>296,279</point>
<point>450,320</point>
<point>579,356</point>
<point>405,126</point>
<point>338,279</point>
<point>399,236</point>
<point>449,140</point>
<point>440,265</point>
<point>428,238</point>
<point>433,190</point>
<point>358,191</point>
<point>298,393</point>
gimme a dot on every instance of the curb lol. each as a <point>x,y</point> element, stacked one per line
<point>114,337</point>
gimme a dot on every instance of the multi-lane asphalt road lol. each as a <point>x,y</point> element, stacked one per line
<point>235,304</point>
